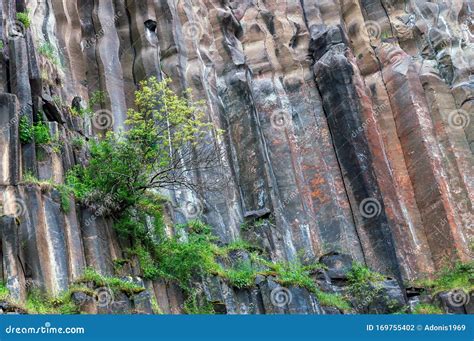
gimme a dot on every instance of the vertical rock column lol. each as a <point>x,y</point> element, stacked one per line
<point>20,86</point>
<point>335,77</point>
<point>9,144</point>
<point>435,201</point>
<point>12,274</point>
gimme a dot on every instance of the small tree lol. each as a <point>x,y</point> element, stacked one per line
<point>163,145</point>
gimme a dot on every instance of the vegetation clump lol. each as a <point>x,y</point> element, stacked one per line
<point>427,309</point>
<point>24,18</point>
<point>64,191</point>
<point>114,283</point>
<point>4,293</point>
<point>47,50</point>
<point>364,285</point>
<point>96,98</point>
<point>38,132</point>
<point>160,150</point>
<point>39,303</point>
<point>458,277</point>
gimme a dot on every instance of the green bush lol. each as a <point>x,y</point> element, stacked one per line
<point>39,303</point>
<point>459,276</point>
<point>114,283</point>
<point>41,133</point>
<point>24,18</point>
<point>4,293</point>
<point>361,275</point>
<point>150,155</point>
<point>25,130</point>
<point>332,300</point>
<point>65,192</point>
<point>78,142</point>
<point>28,132</point>
<point>48,50</point>
<point>242,276</point>
<point>364,285</point>
<point>427,309</point>
<point>147,264</point>
<point>183,261</point>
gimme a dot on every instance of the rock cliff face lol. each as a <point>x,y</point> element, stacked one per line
<point>348,133</point>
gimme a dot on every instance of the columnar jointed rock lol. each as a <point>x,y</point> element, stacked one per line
<point>348,128</point>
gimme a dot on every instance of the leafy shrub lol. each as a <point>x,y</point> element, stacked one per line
<point>77,142</point>
<point>25,130</point>
<point>427,309</point>
<point>459,276</point>
<point>4,293</point>
<point>24,18</point>
<point>38,132</point>
<point>185,261</point>
<point>116,284</point>
<point>361,275</point>
<point>242,276</point>
<point>39,303</point>
<point>332,300</point>
<point>150,155</point>
<point>364,285</point>
<point>41,133</point>
<point>48,50</point>
<point>65,192</point>
<point>147,264</point>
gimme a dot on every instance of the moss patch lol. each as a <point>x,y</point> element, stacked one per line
<point>116,284</point>
<point>427,309</point>
<point>460,276</point>
<point>64,191</point>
